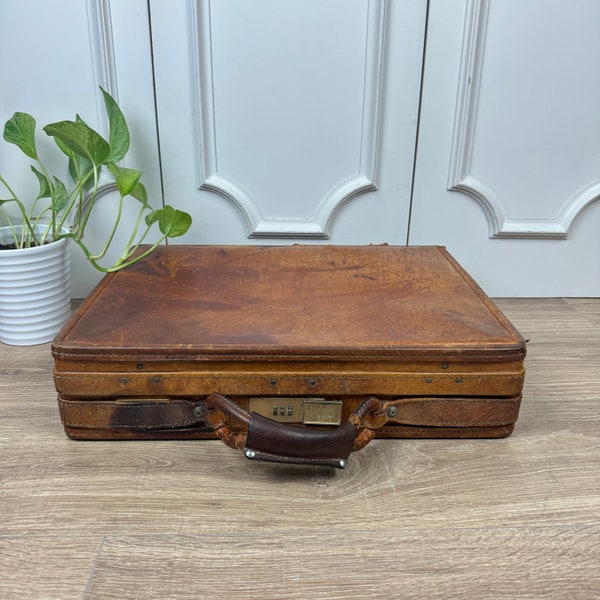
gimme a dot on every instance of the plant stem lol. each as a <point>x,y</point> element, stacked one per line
<point>71,200</point>
<point>52,192</point>
<point>23,211</point>
<point>88,212</point>
<point>10,225</point>
<point>121,265</point>
<point>128,250</point>
<point>112,233</point>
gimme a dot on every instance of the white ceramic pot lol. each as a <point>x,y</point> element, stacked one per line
<point>35,291</point>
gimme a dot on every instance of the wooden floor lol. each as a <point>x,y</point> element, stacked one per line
<point>512,518</point>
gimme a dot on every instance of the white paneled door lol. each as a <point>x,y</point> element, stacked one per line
<point>289,120</point>
<point>508,166</point>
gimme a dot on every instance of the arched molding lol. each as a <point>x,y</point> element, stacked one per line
<point>461,177</point>
<point>225,184</point>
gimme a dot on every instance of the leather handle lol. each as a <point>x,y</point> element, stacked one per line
<point>263,439</point>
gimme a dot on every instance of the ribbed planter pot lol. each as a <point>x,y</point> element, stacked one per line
<point>35,291</point>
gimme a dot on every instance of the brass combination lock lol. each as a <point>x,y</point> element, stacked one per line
<point>309,411</point>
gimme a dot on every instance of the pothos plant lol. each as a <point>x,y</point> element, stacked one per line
<point>64,211</point>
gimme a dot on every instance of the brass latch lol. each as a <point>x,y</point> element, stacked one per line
<point>309,411</point>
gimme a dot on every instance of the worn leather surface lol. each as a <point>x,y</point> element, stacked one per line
<point>179,418</point>
<point>271,437</point>
<point>132,414</point>
<point>290,303</point>
<point>400,323</point>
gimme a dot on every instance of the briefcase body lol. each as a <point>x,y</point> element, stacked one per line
<point>291,353</point>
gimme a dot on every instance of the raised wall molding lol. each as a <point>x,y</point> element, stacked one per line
<point>102,46</point>
<point>104,66</point>
<point>225,185</point>
<point>461,177</point>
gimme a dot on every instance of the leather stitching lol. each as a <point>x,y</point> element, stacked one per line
<point>444,354</point>
<point>325,378</point>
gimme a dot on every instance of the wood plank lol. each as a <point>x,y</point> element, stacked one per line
<point>532,478</point>
<point>590,307</point>
<point>510,562</point>
<point>43,568</point>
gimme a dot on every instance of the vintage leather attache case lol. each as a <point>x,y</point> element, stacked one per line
<point>290,353</point>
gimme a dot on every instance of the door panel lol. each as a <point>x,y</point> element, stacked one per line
<point>517,147</point>
<point>508,164</point>
<point>289,113</point>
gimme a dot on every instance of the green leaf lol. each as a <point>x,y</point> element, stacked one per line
<point>20,130</point>
<point>181,224</point>
<point>152,217</point>
<point>66,150</point>
<point>80,139</point>
<point>59,201</point>
<point>126,179</point>
<point>118,137</point>
<point>45,189</point>
<point>140,193</point>
<point>80,169</point>
<point>172,222</point>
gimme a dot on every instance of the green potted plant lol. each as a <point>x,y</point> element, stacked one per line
<point>35,235</point>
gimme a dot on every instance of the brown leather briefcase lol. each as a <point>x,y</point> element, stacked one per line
<point>290,353</point>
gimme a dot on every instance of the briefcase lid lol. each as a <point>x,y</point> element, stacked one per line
<point>297,302</point>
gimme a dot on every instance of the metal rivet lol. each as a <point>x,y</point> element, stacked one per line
<point>459,380</point>
<point>156,380</point>
<point>392,411</point>
<point>124,380</point>
<point>273,381</point>
<point>312,382</point>
<point>428,380</point>
<point>197,412</point>
<point>444,365</point>
<point>249,453</point>
<point>139,366</point>
<point>343,462</point>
